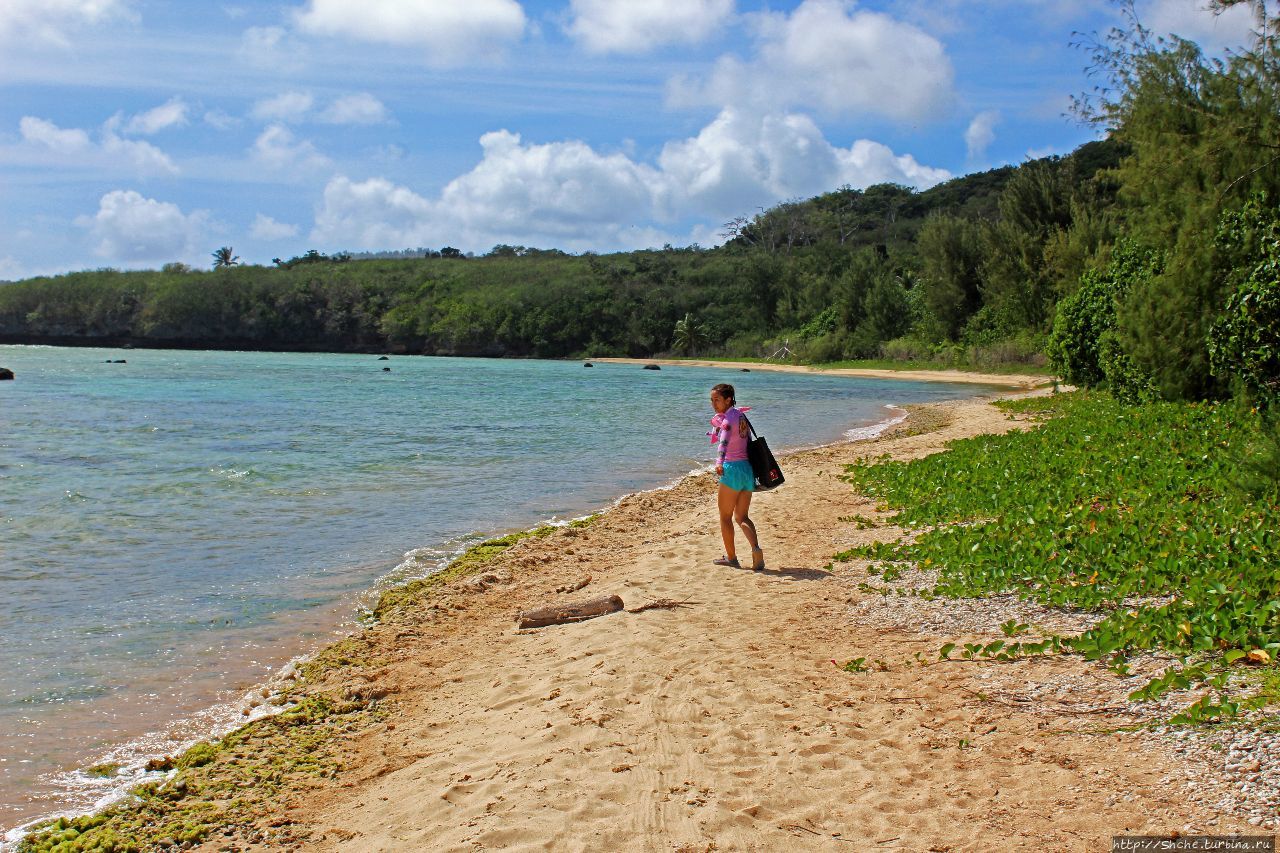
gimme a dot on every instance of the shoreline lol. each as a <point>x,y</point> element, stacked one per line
<point>36,799</point>
<point>1011,380</point>
<point>454,627</point>
<point>1018,381</point>
<point>226,716</point>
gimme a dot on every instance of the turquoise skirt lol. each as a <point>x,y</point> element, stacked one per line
<point>738,476</point>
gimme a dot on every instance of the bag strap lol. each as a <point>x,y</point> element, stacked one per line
<point>750,427</point>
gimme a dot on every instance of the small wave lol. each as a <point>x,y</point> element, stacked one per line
<point>421,562</point>
<point>233,476</point>
<point>59,696</point>
<point>85,793</point>
<point>877,429</point>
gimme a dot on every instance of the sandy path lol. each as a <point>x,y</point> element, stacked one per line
<point>724,724</point>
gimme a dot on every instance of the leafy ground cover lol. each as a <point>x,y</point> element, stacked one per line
<point>1137,513</point>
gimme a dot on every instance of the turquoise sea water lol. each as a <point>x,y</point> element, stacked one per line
<point>174,527</point>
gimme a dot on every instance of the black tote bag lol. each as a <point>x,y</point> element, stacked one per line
<point>765,468</point>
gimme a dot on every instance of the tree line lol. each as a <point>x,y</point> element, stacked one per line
<point>1144,262</point>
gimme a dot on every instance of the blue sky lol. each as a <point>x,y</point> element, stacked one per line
<point>138,132</point>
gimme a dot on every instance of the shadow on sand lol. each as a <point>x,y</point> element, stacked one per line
<point>791,573</point>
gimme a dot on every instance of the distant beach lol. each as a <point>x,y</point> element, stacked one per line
<point>1009,380</point>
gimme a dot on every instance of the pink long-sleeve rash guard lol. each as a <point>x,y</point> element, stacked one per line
<point>733,437</point>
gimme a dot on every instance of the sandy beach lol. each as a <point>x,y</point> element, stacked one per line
<point>725,723</point>
<point>725,720</point>
<point>1022,381</point>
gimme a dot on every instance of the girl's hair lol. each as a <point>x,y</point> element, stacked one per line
<point>725,390</point>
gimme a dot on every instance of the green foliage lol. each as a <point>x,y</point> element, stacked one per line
<point>1200,135</point>
<point>1083,346</point>
<point>224,257</point>
<point>313,256</point>
<point>1244,343</point>
<point>887,310</point>
<point>823,324</point>
<point>1133,512</point>
<point>689,335</point>
<point>1035,204</point>
<point>968,272</point>
<point>1022,351</point>
<point>951,254</point>
<point>836,272</point>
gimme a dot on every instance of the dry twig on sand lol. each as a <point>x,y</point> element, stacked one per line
<point>660,604</point>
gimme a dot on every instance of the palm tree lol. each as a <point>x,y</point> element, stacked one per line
<point>689,335</point>
<point>225,257</point>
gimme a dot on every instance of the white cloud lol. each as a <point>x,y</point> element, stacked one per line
<point>129,227</point>
<point>981,133</point>
<point>637,26</point>
<point>451,32</point>
<point>561,186</point>
<point>146,158</point>
<point>47,134</point>
<point>867,162</point>
<point>567,194</point>
<point>373,213</point>
<point>828,55</point>
<point>266,228</point>
<point>277,149</point>
<point>47,21</point>
<point>172,113</point>
<point>360,108</point>
<point>388,153</point>
<point>950,17</point>
<point>272,48</point>
<point>287,106</point>
<point>259,40</point>
<point>220,120</point>
<point>739,162</point>
<point>1192,20</point>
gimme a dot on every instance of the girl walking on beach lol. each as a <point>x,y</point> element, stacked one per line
<point>736,477</point>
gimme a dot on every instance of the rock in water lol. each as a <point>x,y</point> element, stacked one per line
<point>652,367</point>
<point>6,373</point>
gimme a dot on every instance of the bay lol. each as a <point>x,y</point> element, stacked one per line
<point>174,527</point>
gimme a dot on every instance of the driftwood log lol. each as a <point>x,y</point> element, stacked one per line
<point>559,614</point>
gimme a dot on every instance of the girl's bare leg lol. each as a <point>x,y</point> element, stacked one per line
<point>727,502</point>
<point>741,506</point>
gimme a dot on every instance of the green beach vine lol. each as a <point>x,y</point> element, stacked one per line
<point>1136,513</point>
